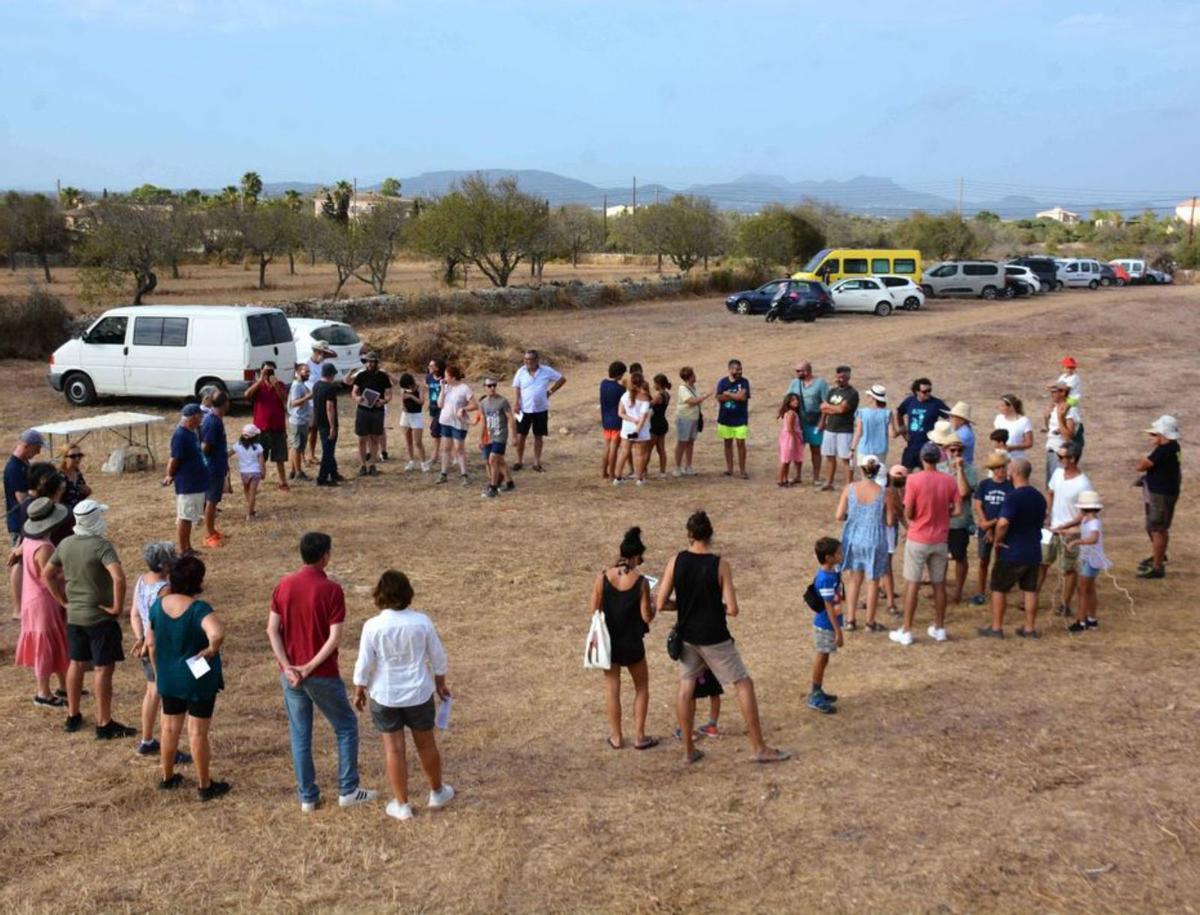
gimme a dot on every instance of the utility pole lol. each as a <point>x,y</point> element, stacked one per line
<point>354,199</point>
<point>604,211</point>
<point>635,193</point>
<point>1192,223</point>
<point>656,196</point>
<point>960,195</point>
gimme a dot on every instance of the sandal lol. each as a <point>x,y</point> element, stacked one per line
<point>876,627</point>
<point>727,473</point>
<point>649,742</point>
<point>775,757</point>
<point>850,626</point>
<point>696,756</point>
<point>613,746</point>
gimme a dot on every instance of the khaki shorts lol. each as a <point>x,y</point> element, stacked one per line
<point>722,659</point>
<point>297,436</point>
<point>190,507</point>
<point>1058,551</point>
<point>918,556</point>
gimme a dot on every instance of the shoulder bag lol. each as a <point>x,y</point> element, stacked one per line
<point>597,650</point>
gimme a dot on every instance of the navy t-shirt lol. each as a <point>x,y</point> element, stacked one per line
<point>611,393</point>
<point>992,495</point>
<point>829,586</point>
<point>1163,478</point>
<point>16,479</point>
<point>192,473</point>
<point>920,418</point>
<point>734,412</point>
<point>212,433</point>
<point>435,394</point>
<point>1025,510</point>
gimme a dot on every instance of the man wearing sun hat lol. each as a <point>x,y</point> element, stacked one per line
<point>188,471</point>
<point>372,390</point>
<point>954,464</point>
<point>986,503</point>
<point>1061,423</point>
<point>1161,480</point>
<point>959,416</point>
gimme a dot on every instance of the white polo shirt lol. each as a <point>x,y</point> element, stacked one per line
<point>397,657</point>
<point>534,388</point>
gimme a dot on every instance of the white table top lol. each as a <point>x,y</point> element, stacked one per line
<point>96,423</point>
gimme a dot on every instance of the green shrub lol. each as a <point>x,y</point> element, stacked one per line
<point>33,326</point>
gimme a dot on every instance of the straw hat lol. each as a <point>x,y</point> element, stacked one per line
<point>879,392</point>
<point>943,434</point>
<point>962,410</point>
<point>1089,499</point>
<point>1167,426</point>
<point>43,515</point>
<point>996,459</point>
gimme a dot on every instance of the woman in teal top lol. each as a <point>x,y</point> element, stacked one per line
<point>873,426</point>
<point>185,638</point>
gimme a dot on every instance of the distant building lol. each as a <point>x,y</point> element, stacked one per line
<point>1058,214</point>
<point>362,204</point>
<point>619,210</point>
<point>1189,211</point>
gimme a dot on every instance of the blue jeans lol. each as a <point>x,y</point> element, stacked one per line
<point>329,467</point>
<point>328,694</point>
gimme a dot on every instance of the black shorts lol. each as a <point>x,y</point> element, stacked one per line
<point>275,446</point>
<point>958,542</point>
<point>1005,577</point>
<point>435,427</point>
<point>368,422</point>
<point>216,489</point>
<point>985,550</point>
<point>388,720</point>
<point>538,422</point>
<point>197,708</point>
<point>99,644</point>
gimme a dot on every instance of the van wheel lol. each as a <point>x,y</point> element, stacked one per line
<point>1058,285</point>
<point>1120,282</point>
<point>989,292</point>
<point>928,290</point>
<point>1093,284</point>
<point>211,382</point>
<point>1105,281</point>
<point>912,303</point>
<point>883,309</point>
<point>79,390</point>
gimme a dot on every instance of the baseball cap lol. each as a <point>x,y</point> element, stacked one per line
<point>191,409</point>
<point>251,431</point>
<point>32,437</point>
<point>372,357</point>
<point>328,369</point>
<point>1068,362</point>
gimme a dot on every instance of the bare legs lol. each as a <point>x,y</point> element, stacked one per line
<point>172,726</point>
<point>397,761</point>
<point>641,702</point>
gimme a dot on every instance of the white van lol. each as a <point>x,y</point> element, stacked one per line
<point>171,351</point>
<point>1078,271</point>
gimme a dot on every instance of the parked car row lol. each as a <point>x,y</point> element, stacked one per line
<point>807,300</point>
<point>1032,275</point>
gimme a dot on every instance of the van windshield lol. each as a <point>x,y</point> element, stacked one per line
<point>816,260</point>
<point>336,335</point>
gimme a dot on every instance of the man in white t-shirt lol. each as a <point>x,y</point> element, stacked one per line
<point>533,385</point>
<point>1061,422</point>
<point>1064,490</point>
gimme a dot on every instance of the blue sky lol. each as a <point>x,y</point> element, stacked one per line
<point>1021,96</point>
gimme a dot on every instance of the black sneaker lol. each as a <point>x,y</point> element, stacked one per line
<point>383,455</point>
<point>491,492</point>
<point>373,471</point>
<point>1092,623</point>
<point>441,478</point>
<point>148,747</point>
<point>170,784</point>
<point>73,723</point>
<point>1151,572</point>
<point>214,790</point>
<point>1028,633</point>
<point>114,730</point>
<point>1078,626</point>
<point>362,471</point>
<point>49,701</point>
<point>821,694</point>
<point>987,632</point>
<point>1148,562</point>
<point>510,486</point>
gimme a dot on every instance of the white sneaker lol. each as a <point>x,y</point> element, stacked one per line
<point>441,798</point>
<point>938,635</point>
<point>411,465</point>
<point>399,811</point>
<point>426,466</point>
<point>900,637</point>
<point>641,482</point>
<point>309,806</point>
<point>678,472</point>
<point>689,472</point>
<point>354,798</point>
<point>617,481</point>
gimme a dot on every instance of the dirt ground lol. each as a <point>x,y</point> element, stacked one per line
<point>1056,775</point>
<point>209,284</point>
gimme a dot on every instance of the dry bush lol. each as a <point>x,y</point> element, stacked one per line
<point>33,326</point>
<point>611,294</point>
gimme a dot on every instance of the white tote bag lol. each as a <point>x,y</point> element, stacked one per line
<point>597,650</point>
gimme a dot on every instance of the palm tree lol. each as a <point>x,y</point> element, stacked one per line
<point>252,185</point>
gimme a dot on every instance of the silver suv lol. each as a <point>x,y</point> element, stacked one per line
<point>978,278</point>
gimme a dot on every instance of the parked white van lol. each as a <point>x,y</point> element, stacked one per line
<point>1078,271</point>
<point>171,351</point>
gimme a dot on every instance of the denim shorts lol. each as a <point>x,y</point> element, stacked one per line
<point>1087,570</point>
<point>459,435</point>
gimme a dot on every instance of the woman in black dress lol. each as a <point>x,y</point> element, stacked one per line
<point>623,594</point>
<point>658,420</point>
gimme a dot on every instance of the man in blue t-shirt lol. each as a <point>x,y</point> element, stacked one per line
<point>733,416</point>
<point>915,418</point>
<point>611,391</point>
<point>189,473</point>
<point>1018,544</point>
<point>986,501</point>
<point>215,448</point>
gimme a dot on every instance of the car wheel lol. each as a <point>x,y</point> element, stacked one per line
<point>1105,281</point>
<point>912,303</point>
<point>742,307</point>
<point>1093,284</point>
<point>989,292</point>
<point>1149,280</point>
<point>79,390</point>
<point>1120,282</point>
<point>1058,285</point>
<point>1010,292</point>
<point>928,290</point>
<point>883,309</point>
<point>809,318</point>
<point>213,383</point>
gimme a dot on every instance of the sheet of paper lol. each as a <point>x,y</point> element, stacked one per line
<point>1047,536</point>
<point>442,719</point>
<point>199,666</point>
<point>653,582</point>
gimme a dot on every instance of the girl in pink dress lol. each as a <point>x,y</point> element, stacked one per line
<point>43,641</point>
<point>791,438</point>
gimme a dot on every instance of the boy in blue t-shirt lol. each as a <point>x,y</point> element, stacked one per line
<point>827,621</point>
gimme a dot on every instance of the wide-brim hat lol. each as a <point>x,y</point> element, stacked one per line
<point>1166,426</point>
<point>879,392</point>
<point>943,434</point>
<point>995,460</point>
<point>43,515</point>
<point>962,410</point>
<point>1089,500</point>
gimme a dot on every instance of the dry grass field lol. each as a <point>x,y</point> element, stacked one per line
<point>236,284</point>
<point>1057,775</point>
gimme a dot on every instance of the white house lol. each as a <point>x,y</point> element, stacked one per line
<point>360,204</point>
<point>1189,211</point>
<point>1058,214</point>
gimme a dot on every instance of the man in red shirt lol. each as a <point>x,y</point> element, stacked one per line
<point>268,395</point>
<point>308,611</point>
<point>930,499</point>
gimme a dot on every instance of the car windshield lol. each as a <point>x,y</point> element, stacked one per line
<point>336,335</point>
<point>815,261</point>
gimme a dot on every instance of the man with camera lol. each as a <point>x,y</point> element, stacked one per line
<point>269,396</point>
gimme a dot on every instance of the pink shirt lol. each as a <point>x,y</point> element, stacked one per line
<point>931,495</point>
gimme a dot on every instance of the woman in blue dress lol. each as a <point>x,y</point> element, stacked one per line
<point>873,425</point>
<point>864,542</point>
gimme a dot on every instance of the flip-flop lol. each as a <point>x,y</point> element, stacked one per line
<point>613,746</point>
<point>650,742</point>
<point>780,756</point>
<point>539,468</point>
<point>696,756</point>
<point>727,473</point>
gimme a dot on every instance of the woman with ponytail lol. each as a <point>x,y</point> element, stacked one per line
<point>867,513</point>
<point>623,594</point>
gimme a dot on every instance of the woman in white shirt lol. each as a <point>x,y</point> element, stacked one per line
<point>456,399</point>
<point>634,410</point>
<point>401,664</point>
<point>1012,418</point>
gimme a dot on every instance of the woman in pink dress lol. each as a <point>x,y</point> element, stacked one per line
<point>43,641</point>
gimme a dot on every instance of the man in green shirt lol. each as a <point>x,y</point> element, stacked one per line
<point>85,576</point>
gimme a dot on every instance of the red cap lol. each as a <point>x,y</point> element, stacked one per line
<point>1069,362</point>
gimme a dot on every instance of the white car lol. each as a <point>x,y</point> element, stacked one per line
<point>905,292</point>
<point>347,348</point>
<point>1017,273</point>
<point>866,294</point>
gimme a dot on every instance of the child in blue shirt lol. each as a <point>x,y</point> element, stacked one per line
<point>827,620</point>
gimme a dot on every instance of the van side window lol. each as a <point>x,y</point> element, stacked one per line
<point>281,331</point>
<point>160,331</point>
<point>855,265</point>
<point>945,270</point>
<point>260,330</point>
<point>980,269</point>
<point>833,265</point>
<point>881,265</point>
<point>110,330</point>
<point>904,265</point>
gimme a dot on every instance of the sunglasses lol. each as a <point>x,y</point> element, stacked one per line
<point>489,385</point>
<point>75,457</point>
<point>924,390</point>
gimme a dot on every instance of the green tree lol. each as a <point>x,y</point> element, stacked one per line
<point>942,237</point>
<point>294,201</point>
<point>498,226</point>
<point>693,230</point>
<point>342,244</point>
<point>390,187</point>
<point>576,228</point>
<point>986,216</point>
<point>778,237</point>
<point>10,227</point>
<point>434,232</point>
<point>40,229</point>
<point>337,202</point>
<point>151,194</point>
<point>266,232</point>
<point>125,237</point>
<point>71,197</point>
<point>381,232</point>
<point>182,233</point>
<point>251,188</point>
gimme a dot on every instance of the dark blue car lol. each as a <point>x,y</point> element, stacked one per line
<point>755,301</point>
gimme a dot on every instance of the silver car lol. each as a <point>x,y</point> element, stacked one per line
<point>984,279</point>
